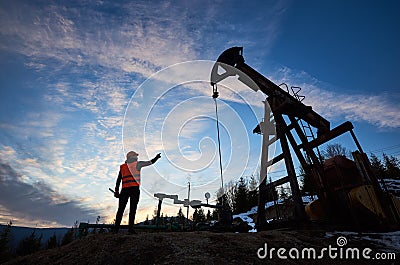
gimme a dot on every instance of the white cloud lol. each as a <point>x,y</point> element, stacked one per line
<point>70,35</point>
<point>36,200</point>
<point>7,151</point>
<point>379,109</point>
<point>374,109</point>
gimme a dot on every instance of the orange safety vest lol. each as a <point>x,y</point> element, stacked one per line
<point>130,175</point>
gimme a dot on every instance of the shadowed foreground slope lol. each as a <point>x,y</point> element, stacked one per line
<point>195,248</point>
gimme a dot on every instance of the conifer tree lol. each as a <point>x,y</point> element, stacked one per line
<point>241,198</point>
<point>208,216</point>
<point>68,237</point>
<point>200,216</point>
<point>5,238</point>
<point>392,167</point>
<point>377,166</point>
<point>181,216</point>
<point>308,185</point>
<point>29,245</point>
<point>52,242</point>
<point>252,192</point>
<point>214,214</point>
<point>194,217</point>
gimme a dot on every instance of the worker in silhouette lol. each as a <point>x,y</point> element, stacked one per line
<point>129,174</point>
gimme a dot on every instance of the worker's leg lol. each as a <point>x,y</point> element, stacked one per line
<point>133,206</point>
<point>123,200</point>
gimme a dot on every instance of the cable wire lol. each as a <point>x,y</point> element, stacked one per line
<point>219,144</point>
<point>215,96</point>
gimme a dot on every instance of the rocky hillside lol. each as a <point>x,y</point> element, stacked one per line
<point>204,248</point>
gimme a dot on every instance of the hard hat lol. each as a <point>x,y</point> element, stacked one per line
<point>131,153</point>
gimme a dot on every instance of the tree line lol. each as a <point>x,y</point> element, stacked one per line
<point>242,195</point>
<point>31,243</point>
<point>387,167</point>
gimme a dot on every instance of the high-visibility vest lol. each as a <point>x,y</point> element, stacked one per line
<point>130,175</point>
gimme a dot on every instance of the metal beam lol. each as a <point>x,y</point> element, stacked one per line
<point>337,131</point>
<point>278,182</point>
<point>294,185</point>
<point>315,169</point>
<point>262,194</point>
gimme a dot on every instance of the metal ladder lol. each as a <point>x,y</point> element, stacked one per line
<point>306,127</point>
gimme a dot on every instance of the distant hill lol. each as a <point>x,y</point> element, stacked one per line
<point>18,233</point>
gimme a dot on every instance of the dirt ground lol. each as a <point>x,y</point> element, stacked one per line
<point>200,248</point>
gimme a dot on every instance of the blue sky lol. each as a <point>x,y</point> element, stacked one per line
<point>72,72</point>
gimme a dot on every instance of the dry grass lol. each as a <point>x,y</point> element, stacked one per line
<point>189,248</point>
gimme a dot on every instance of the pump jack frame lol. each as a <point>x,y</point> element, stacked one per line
<point>287,113</point>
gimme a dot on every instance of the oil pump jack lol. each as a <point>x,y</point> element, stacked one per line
<point>348,191</point>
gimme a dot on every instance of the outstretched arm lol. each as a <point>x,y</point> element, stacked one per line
<point>141,164</point>
<point>158,156</point>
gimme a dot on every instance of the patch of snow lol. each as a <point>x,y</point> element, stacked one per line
<point>390,240</point>
<point>394,181</point>
<point>393,185</point>
<point>309,198</point>
<point>246,218</point>
<point>271,203</point>
<point>306,199</point>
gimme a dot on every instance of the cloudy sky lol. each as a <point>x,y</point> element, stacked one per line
<point>82,82</point>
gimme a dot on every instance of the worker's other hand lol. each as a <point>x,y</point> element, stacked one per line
<point>116,194</point>
<point>158,155</point>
